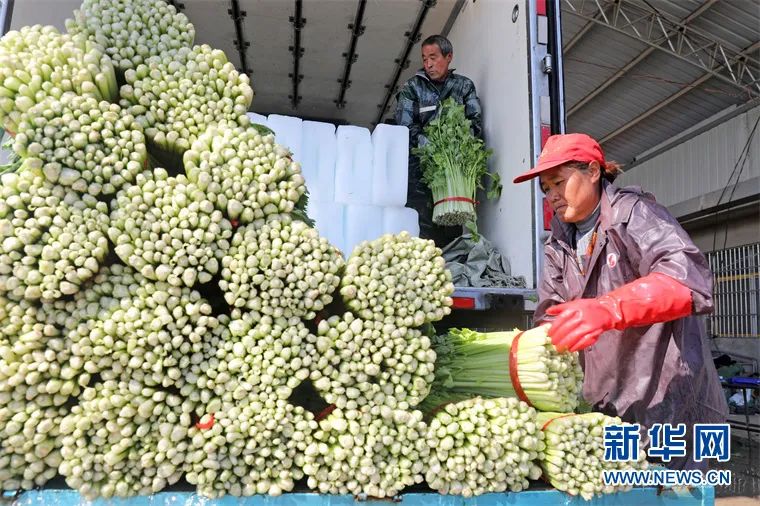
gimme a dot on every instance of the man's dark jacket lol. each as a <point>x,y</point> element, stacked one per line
<point>419,101</point>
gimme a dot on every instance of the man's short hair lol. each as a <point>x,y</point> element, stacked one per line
<point>442,42</point>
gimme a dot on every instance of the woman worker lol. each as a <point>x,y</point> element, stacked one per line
<point>623,284</point>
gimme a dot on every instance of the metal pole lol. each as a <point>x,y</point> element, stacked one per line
<point>745,291</point>
<point>6,9</point>
<point>720,266</point>
<point>754,295</point>
<point>746,414</point>
<point>732,290</point>
<point>756,299</point>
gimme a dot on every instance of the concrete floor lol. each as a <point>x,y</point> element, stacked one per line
<point>741,420</point>
<point>745,468</point>
<point>737,501</point>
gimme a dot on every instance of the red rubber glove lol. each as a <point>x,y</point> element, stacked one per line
<point>652,299</point>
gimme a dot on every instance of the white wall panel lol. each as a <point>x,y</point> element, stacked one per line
<point>493,51</point>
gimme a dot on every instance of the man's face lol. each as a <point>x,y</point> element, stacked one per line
<point>435,64</point>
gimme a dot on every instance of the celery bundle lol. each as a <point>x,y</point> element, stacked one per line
<point>573,460</point>
<point>453,163</point>
<point>483,445</point>
<point>471,363</point>
<point>39,61</point>
<point>374,451</point>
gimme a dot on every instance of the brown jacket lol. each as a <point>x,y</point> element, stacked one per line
<point>662,373</point>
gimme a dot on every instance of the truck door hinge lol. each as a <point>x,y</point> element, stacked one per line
<point>547,64</point>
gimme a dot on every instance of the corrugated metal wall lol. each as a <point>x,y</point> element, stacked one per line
<point>700,165</point>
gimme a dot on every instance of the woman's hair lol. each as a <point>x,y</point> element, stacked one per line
<point>610,170</point>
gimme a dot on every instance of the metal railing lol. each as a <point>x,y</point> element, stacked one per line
<point>736,273</point>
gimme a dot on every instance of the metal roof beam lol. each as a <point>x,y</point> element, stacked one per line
<point>628,66</point>
<point>412,37</point>
<point>357,30</point>
<point>237,15</point>
<point>581,33</point>
<point>298,22</point>
<point>677,39</point>
<point>683,91</point>
<point>452,18</point>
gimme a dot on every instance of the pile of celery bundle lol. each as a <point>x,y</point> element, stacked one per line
<point>518,364</point>
<point>573,460</point>
<point>483,445</point>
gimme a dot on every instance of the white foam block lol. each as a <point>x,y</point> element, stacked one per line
<point>318,152</point>
<point>400,219</point>
<point>390,173</point>
<point>353,165</point>
<point>288,132</point>
<point>329,219</point>
<point>362,223</point>
<point>258,119</point>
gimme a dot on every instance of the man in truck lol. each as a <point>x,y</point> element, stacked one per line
<point>624,285</point>
<point>418,103</point>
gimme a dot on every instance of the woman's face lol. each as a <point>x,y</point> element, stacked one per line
<point>572,193</point>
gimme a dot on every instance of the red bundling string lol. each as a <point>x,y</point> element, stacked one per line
<point>513,376</point>
<point>555,418</point>
<point>325,412</point>
<point>457,199</point>
<point>207,425</point>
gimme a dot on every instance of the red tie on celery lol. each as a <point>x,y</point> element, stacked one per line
<point>471,363</point>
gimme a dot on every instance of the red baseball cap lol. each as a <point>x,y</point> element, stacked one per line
<point>563,148</point>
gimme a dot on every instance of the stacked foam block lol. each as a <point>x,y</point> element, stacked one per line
<point>357,180</point>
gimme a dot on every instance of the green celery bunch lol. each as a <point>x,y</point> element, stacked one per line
<point>453,163</point>
<point>471,363</point>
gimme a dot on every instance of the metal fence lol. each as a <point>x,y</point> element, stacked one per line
<point>736,274</point>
